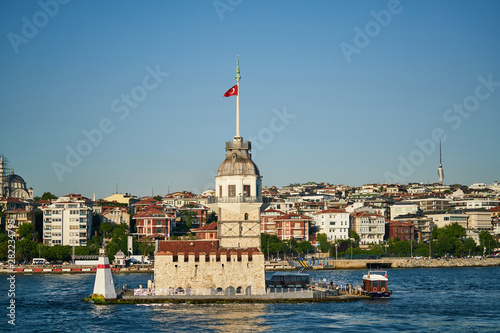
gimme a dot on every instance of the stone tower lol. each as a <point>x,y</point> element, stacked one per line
<point>238,191</point>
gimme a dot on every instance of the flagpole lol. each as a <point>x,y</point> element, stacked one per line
<point>238,77</point>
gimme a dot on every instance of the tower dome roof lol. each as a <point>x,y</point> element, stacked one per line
<point>234,165</point>
<point>238,161</point>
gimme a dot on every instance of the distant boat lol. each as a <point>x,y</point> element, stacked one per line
<point>375,285</point>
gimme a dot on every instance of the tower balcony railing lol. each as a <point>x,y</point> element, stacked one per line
<point>238,144</point>
<point>239,199</point>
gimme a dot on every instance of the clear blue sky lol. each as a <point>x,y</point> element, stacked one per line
<point>357,114</point>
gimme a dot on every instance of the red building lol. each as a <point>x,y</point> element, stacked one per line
<point>200,211</point>
<point>143,204</point>
<point>267,223</point>
<point>154,222</point>
<point>292,226</point>
<point>404,231</point>
<point>208,231</point>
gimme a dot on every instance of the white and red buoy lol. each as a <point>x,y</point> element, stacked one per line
<point>103,284</point>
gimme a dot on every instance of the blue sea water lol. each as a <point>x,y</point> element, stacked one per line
<point>423,300</point>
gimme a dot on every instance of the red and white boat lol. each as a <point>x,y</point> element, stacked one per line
<point>375,285</point>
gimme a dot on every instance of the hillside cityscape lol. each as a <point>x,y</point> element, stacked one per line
<point>296,220</point>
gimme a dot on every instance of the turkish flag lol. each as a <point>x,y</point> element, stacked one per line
<point>232,91</point>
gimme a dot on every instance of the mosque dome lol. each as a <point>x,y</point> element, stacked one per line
<point>12,179</point>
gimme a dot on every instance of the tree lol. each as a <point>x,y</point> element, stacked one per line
<point>322,239</point>
<point>146,248</point>
<point>454,230</point>
<point>304,247</point>
<point>422,249</point>
<point>353,234</point>
<point>270,243</point>
<point>292,245</point>
<point>344,244</point>
<point>212,217</point>
<point>45,196</point>
<point>445,244</point>
<point>470,245</point>
<point>26,249</point>
<point>188,217</point>
<point>25,230</point>
<point>449,238</point>
<point>486,241</point>
<point>106,228</point>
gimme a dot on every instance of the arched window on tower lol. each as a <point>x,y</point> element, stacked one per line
<point>246,216</point>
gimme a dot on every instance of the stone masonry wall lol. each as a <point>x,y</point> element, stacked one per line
<point>203,277</point>
<point>250,229</point>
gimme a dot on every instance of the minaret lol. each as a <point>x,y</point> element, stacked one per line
<point>238,189</point>
<point>103,284</point>
<point>440,168</point>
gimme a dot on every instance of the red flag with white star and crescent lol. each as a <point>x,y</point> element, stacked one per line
<point>231,92</point>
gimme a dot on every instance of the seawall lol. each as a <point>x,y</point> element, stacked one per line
<point>388,263</point>
<point>68,269</point>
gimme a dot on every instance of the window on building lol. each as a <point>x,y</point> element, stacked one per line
<point>246,216</point>
<point>246,190</point>
<point>220,191</point>
<point>232,190</point>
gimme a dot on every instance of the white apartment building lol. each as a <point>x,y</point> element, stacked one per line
<point>335,223</point>
<point>417,189</point>
<point>432,204</point>
<point>286,206</point>
<point>370,227</point>
<point>479,219</point>
<point>403,208</point>
<point>441,220</point>
<point>67,221</point>
<point>476,203</point>
<point>117,215</point>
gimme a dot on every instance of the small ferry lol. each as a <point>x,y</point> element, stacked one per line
<point>375,285</point>
<point>288,280</point>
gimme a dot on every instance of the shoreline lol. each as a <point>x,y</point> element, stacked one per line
<point>386,263</point>
<point>391,263</point>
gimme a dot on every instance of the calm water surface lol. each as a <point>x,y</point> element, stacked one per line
<point>425,300</point>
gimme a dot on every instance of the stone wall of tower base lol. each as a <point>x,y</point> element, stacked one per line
<point>209,275</point>
<point>240,242</point>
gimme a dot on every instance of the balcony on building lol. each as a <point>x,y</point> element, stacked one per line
<point>235,199</point>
